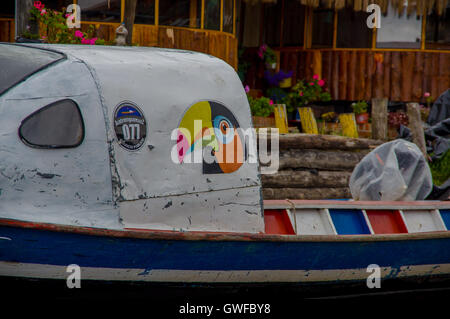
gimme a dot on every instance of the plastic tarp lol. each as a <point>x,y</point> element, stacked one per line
<point>394,171</point>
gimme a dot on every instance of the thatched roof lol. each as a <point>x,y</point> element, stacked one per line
<point>418,6</point>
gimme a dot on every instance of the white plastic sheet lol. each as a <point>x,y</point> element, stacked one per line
<point>394,171</point>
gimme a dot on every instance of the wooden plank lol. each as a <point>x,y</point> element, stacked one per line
<point>435,75</point>
<point>303,193</point>
<point>335,76</point>
<point>387,75</point>
<point>309,124</point>
<point>396,77</point>
<point>407,68</point>
<point>281,118</point>
<point>423,221</point>
<point>386,221</point>
<point>351,81</point>
<point>313,222</point>
<point>317,63</point>
<point>328,142</point>
<point>343,72</point>
<point>417,78</point>
<point>428,73</point>
<point>378,89</point>
<point>397,205</point>
<point>294,178</point>
<point>444,72</point>
<point>320,159</point>
<point>348,124</point>
<point>327,69</point>
<point>370,68</point>
<point>360,85</point>
<point>309,72</point>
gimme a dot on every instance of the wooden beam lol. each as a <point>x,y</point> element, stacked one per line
<point>221,16</point>
<point>234,17</point>
<point>335,25</point>
<point>156,12</point>
<point>379,118</point>
<point>415,125</point>
<point>424,26</point>
<point>282,23</point>
<point>23,16</point>
<point>130,13</point>
<point>202,21</point>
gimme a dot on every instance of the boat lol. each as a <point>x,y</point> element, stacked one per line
<point>99,147</point>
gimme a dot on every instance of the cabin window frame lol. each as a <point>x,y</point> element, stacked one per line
<point>47,145</point>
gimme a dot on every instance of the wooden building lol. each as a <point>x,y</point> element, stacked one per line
<point>200,25</point>
<point>408,56</point>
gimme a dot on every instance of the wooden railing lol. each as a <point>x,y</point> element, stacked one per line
<point>220,44</point>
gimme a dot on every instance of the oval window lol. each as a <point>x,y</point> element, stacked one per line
<point>57,125</point>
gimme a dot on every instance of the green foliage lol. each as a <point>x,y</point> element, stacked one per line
<point>359,107</point>
<point>269,56</point>
<point>304,93</point>
<point>54,27</point>
<point>262,106</point>
<point>440,169</point>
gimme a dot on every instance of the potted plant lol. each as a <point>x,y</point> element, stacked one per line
<point>306,92</point>
<point>261,108</point>
<point>360,110</point>
<point>268,55</point>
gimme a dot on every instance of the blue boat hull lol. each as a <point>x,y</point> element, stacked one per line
<point>42,252</point>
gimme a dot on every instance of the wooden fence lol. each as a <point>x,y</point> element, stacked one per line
<point>364,74</point>
<point>220,44</point>
<point>361,74</point>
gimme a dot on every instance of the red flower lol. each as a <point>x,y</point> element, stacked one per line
<point>321,82</point>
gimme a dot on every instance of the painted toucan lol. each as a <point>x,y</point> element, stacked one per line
<point>211,125</point>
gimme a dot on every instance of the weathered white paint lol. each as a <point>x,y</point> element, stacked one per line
<point>423,221</point>
<point>216,276</point>
<point>99,175</point>
<point>66,186</point>
<point>313,222</point>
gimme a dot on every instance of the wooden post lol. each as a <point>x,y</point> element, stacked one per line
<point>130,13</point>
<point>379,119</point>
<point>23,18</point>
<point>415,125</point>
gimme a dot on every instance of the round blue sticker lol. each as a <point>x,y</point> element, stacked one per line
<point>130,126</point>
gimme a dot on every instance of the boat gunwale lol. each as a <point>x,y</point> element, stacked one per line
<point>146,234</point>
<point>348,204</point>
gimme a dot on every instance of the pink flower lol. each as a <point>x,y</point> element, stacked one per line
<point>38,5</point>
<point>301,93</point>
<point>92,41</point>
<point>270,102</point>
<point>43,12</point>
<point>321,82</point>
<point>316,77</point>
<point>427,94</point>
<point>247,89</point>
<point>79,34</point>
<point>85,41</point>
<point>260,54</point>
<point>312,83</point>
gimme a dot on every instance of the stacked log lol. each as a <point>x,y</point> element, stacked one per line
<point>315,166</point>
